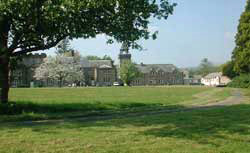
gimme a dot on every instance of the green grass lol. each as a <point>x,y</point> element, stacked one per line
<point>52,103</point>
<point>221,130</point>
<point>213,130</point>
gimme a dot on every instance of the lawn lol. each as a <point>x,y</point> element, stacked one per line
<point>215,130</point>
<point>221,130</point>
<point>52,103</point>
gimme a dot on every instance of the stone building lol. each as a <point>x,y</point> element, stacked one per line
<point>99,72</point>
<point>158,74</point>
<point>23,75</point>
<point>153,74</point>
<point>96,72</point>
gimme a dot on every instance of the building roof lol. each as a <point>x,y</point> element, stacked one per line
<point>213,75</point>
<point>84,62</point>
<point>147,68</point>
<point>197,77</point>
<point>96,63</point>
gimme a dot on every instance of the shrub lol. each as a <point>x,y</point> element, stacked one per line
<point>242,81</point>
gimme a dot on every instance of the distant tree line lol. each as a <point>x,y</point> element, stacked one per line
<point>204,68</point>
<point>105,57</point>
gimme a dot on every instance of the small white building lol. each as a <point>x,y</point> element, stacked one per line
<point>215,79</point>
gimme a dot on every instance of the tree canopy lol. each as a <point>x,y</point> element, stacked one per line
<point>33,25</point>
<point>241,53</point>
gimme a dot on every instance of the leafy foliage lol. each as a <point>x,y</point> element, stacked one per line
<point>36,25</point>
<point>129,72</point>
<point>228,69</point>
<point>242,81</point>
<point>241,53</point>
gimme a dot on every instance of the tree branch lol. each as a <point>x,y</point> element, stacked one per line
<point>38,48</point>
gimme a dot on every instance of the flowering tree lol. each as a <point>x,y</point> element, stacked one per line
<point>60,68</point>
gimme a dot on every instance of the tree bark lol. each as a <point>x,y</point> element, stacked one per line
<point>4,59</point>
<point>4,78</point>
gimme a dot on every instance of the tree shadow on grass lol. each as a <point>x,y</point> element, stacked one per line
<point>204,126</point>
<point>210,126</point>
<point>22,111</point>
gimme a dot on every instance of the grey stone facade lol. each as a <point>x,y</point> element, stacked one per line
<point>96,73</point>
<point>99,72</point>
<point>23,75</point>
<point>159,74</point>
<point>153,74</point>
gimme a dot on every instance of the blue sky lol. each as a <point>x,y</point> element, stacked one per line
<point>197,29</point>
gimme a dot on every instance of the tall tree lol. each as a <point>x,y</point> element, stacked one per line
<point>33,25</point>
<point>241,53</point>
<point>64,47</point>
<point>129,72</point>
<point>205,67</point>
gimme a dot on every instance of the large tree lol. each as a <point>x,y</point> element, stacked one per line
<point>241,53</point>
<point>33,25</point>
<point>64,47</point>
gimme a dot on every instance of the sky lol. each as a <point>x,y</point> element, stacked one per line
<point>197,29</point>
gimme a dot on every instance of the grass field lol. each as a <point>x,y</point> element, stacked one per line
<point>45,103</point>
<point>218,130</point>
<point>223,130</point>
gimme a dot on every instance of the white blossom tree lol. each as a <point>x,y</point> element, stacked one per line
<point>60,68</point>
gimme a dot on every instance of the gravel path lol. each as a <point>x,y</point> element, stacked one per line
<point>236,98</point>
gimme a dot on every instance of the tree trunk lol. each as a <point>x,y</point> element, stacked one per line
<point>60,82</point>
<point>4,79</point>
<point>4,59</point>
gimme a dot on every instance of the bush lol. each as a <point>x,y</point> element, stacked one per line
<point>242,81</point>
